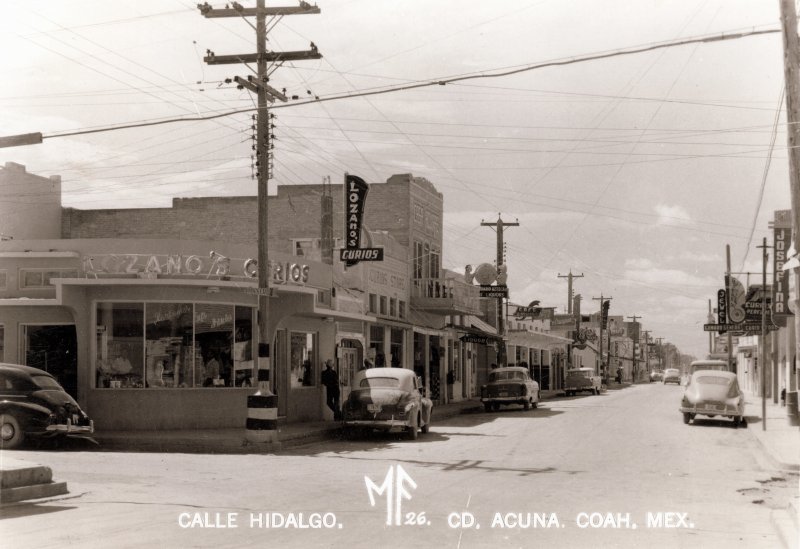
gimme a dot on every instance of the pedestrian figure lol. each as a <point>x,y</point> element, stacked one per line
<point>330,379</point>
<point>783,396</point>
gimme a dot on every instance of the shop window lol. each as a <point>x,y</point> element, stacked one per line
<point>243,362</point>
<point>213,349</point>
<point>302,359</point>
<point>168,346</point>
<point>120,334</point>
<point>376,335</point>
<point>396,347</point>
<point>42,278</point>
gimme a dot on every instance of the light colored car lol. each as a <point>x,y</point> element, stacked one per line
<point>672,375</point>
<point>656,375</point>
<point>582,379</point>
<point>511,385</point>
<point>713,393</point>
<point>719,365</point>
<point>387,399</point>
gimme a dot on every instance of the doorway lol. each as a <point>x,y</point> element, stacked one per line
<point>54,349</point>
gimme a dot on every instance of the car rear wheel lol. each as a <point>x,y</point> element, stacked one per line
<point>736,421</point>
<point>527,404</point>
<point>487,406</point>
<point>11,435</point>
<point>426,428</point>
<point>495,406</point>
<point>687,417</point>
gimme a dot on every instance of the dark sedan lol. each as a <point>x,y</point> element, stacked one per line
<point>34,405</point>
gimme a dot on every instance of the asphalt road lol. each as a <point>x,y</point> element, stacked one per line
<point>616,470</point>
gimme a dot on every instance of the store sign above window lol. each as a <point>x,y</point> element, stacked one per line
<point>472,338</point>
<point>214,266</point>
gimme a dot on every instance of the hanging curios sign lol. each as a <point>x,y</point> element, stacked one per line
<point>355,197</point>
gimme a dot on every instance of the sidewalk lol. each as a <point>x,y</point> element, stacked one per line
<point>780,440</point>
<point>233,441</point>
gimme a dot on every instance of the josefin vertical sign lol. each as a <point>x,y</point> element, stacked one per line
<point>355,198</point>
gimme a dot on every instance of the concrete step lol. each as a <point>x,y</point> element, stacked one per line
<point>21,480</point>
<point>33,491</point>
<point>24,475</point>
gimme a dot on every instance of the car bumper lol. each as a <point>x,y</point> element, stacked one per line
<point>378,424</point>
<point>70,429</point>
<point>716,410</point>
<point>517,398</point>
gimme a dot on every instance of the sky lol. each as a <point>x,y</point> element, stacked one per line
<point>632,170</point>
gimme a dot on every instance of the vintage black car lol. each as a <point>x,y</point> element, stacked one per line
<point>33,404</point>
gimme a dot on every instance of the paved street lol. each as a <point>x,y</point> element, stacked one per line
<point>577,472</point>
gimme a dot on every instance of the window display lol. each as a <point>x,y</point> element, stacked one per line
<point>168,333</point>
<point>120,330</point>
<point>174,345</point>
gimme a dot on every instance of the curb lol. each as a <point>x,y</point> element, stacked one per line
<point>777,464</point>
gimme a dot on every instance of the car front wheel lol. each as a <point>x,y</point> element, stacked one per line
<point>11,435</point>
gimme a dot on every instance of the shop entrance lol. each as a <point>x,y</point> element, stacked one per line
<point>54,349</point>
<point>348,366</point>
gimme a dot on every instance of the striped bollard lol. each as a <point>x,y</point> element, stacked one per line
<point>262,414</point>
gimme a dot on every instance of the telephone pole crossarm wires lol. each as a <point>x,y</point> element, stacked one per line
<point>265,418</point>
<point>569,276</point>
<point>498,226</point>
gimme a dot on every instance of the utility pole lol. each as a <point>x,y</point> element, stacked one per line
<point>263,148</point>
<point>762,359</point>
<point>646,352</point>
<point>634,318</point>
<point>660,366</point>
<point>498,226</point>
<point>791,65</point>
<point>569,276</point>
<point>603,313</point>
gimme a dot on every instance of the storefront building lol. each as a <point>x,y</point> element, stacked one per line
<point>161,333</point>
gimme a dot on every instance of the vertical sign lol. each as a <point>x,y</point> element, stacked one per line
<point>326,227</point>
<point>355,195</point>
<point>780,280</point>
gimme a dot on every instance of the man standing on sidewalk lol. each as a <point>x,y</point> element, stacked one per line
<point>330,379</point>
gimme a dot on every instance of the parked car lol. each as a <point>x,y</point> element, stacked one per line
<point>387,399</point>
<point>719,365</point>
<point>582,379</point>
<point>656,375</point>
<point>33,404</point>
<point>511,385</point>
<point>672,375</point>
<point>713,393</point>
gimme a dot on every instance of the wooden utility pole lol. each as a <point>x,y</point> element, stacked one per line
<point>646,352</point>
<point>263,142</point>
<point>569,276</point>
<point>762,358</point>
<point>660,365</point>
<point>634,318</point>
<point>791,66</point>
<point>502,359</point>
<point>603,300</point>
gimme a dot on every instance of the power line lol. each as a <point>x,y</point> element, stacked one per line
<point>445,81</point>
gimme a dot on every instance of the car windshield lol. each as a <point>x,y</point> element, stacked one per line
<point>584,373</point>
<point>507,376</point>
<point>380,382</point>
<point>46,382</point>
<point>713,380</point>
